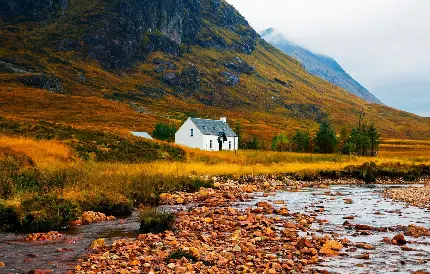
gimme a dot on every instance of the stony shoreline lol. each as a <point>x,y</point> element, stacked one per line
<point>416,196</point>
<point>211,236</point>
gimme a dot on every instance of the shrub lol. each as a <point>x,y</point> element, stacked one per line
<point>281,143</point>
<point>153,220</point>
<point>179,254</point>
<point>164,132</point>
<point>146,189</point>
<point>252,143</point>
<point>9,220</point>
<point>114,204</point>
<point>47,213</point>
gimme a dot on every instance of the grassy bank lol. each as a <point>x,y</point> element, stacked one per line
<point>47,182</point>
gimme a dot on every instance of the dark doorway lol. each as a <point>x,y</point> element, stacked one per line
<point>220,145</point>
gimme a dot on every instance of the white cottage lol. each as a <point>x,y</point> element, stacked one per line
<point>205,134</point>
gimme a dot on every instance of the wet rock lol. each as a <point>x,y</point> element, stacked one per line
<point>98,243</point>
<point>229,78</point>
<point>399,239</point>
<point>365,256</point>
<point>417,196</point>
<point>347,223</point>
<point>331,248</point>
<point>407,248</point>
<point>364,227</point>
<point>416,231</point>
<point>365,246</point>
<point>89,217</point>
<point>40,271</point>
<point>347,201</point>
<point>50,236</point>
<point>303,242</point>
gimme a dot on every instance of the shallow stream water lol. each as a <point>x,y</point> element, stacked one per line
<point>23,256</point>
<point>368,207</point>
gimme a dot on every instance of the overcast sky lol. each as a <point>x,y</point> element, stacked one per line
<point>383,44</point>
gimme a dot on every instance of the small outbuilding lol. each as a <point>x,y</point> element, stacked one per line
<point>205,134</point>
<point>142,135</point>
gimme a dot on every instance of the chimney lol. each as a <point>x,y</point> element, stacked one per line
<point>224,119</point>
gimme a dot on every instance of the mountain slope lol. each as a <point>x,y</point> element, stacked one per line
<point>319,65</point>
<point>122,65</point>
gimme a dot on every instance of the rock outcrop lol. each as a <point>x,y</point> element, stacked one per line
<point>124,32</point>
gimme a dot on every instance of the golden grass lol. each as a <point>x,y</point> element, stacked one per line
<point>45,154</point>
<point>54,155</point>
<point>405,148</point>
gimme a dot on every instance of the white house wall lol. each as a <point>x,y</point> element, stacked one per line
<point>200,141</point>
<point>183,136</point>
<point>215,145</point>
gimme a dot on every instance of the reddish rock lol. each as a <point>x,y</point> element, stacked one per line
<point>399,239</point>
<point>407,248</point>
<point>365,256</point>
<point>364,227</point>
<point>303,242</point>
<point>40,271</point>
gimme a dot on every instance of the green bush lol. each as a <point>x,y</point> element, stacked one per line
<point>9,220</point>
<point>147,189</point>
<point>179,254</point>
<point>164,132</point>
<point>109,204</point>
<point>47,213</point>
<point>281,143</point>
<point>153,220</point>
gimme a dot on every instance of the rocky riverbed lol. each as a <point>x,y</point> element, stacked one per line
<point>416,196</point>
<point>262,224</point>
<point>264,227</point>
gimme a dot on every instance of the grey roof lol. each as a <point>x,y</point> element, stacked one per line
<point>213,127</point>
<point>142,134</point>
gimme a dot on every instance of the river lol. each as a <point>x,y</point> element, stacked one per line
<point>367,206</point>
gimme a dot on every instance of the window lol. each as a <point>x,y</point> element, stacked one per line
<point>229,145</point>
<point>210,144</point>
<point>192,132</point>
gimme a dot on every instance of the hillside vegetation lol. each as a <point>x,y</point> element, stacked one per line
<point>98,65</point>
<point>49,168</point>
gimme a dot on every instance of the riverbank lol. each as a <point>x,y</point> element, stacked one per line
<point>257,226</point>
<point>214,237</point>
<point>416,196</point>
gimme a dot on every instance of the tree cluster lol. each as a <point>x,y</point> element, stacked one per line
<point>363,140</point>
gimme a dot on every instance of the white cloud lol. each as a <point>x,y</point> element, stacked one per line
<point>377,41</point>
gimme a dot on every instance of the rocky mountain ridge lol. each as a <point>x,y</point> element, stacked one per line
<point>159,60</point>
<point>319,65</point>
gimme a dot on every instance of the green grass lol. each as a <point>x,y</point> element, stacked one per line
<point>153,220</point>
